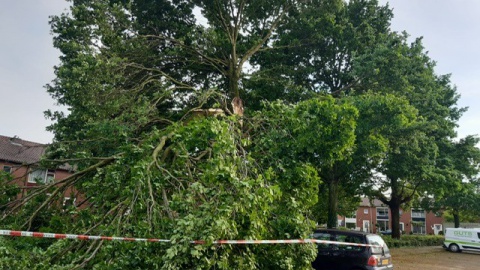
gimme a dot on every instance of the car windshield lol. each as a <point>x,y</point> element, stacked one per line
<point>377,241</point>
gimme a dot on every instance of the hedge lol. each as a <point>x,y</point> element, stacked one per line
<point>414,241</point>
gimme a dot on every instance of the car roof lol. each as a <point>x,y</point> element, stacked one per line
<point>346,232</point>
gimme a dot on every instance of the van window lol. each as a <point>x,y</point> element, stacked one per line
<point>322,236</point>
<point>377,241</point>
<point>478,235</point>
<point>357,239</point>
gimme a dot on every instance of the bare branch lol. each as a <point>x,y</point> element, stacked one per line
<point>270,30</point>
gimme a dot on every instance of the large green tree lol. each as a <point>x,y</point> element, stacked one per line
<point>350,51</point>
<point>458,193</point>
<point>407,169</point>
<point>403,68</point>
<point>317,54</point>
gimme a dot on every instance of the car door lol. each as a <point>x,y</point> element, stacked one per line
<point>474,242</point>
<point>324,258</point>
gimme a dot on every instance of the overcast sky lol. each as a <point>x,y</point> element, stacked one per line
<point>451,35</point>
<point>450,29</point>
<point>27,58</point>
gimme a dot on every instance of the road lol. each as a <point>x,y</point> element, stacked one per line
<point>433,258</point>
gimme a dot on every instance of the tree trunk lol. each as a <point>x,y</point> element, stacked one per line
<point>456,219</point>
<point>332,219</point>
<point>233,88</point>
<point>394,206</point>
<point>233,84</point>
<point>395,212</point>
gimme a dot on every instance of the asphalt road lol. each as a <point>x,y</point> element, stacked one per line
<point>434,258</point>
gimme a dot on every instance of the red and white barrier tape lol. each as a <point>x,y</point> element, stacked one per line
<point>198,242</point>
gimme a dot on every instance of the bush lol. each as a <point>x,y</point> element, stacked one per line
<point>413,241</point>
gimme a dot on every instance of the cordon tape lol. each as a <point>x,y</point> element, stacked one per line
<point>197,242</point>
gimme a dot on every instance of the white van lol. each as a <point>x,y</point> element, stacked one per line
<point>458,239</point>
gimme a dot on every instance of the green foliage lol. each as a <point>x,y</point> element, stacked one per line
<point>317,51</point>
<point>458,192</point>
<point>317,133</point>
<point>464,215</point>
<point>347,204</point>
<point>403,69</point>
<point>14,256</point>
<point>191,181</point>
<point>7,190</point>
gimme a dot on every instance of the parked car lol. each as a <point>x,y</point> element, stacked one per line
<point>351,257</point>
<point>386,232</point>
<point>458,239</point>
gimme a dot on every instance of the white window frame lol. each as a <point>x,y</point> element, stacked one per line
<point>365,211</point>
<point>383,209</point>
<point>65,199</point>
<point>402,226</point>
<point>423,229</point>
<point>418,214</point>
<point>384,222</point>
<point>45,176</point>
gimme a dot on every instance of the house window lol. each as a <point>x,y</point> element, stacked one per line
<point>382,218</point>
<point>41,176</point>
<point>7,169</point>
<point>382,213</point>
<point>418,213</point>
<point>365,211</point>
<point>382,225</point>
<point>69,201</point>
<point>402,226</point>
<point>418,227</point>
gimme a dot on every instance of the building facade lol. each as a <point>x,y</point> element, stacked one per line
<point>20,159</point>
<point>375,217</point>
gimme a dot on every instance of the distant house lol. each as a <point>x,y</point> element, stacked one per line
<point>375,217</point>
<point>21,158</point>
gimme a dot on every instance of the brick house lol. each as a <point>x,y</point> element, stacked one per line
<point>21,158</point>
<point>376,217</point>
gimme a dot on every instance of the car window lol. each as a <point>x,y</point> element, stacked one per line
<point>377,241</point>
<point>322,236</point>
<point>478,235</point>
<point>357,239</point>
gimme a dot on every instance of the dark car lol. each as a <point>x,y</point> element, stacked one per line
<point>386,232</point>
<point>351,257</point>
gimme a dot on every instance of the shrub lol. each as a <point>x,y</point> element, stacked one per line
<point>413,241</point>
